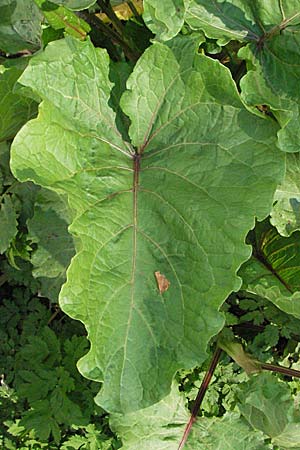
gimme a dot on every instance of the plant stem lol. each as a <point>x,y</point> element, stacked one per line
<point>128,46</point>
<point>108,10</point>
<point>280,369</point>
<point>134,11</point>
<point>110,33</point>
<point>200,396</point>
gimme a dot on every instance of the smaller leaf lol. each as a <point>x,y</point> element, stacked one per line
<point>60,17</point>
<point>165,19</point>
<point>267,404</point>
<point>20,26</point>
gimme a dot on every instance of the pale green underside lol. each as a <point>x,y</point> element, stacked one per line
<point>161,427</point>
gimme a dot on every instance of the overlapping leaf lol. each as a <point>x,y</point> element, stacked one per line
<point>165,19</point>
<point>178,203</point>
<point>273,270</point>
<point>20,26</point>
<point>15,109</point>
<point>61,18</point>
<point>271,30</point>
<point>285,215</point>
<point>257,399</point>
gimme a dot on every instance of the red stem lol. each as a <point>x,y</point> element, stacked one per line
<point>200,396</point>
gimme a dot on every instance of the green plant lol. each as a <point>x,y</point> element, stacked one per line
<point>152,162</point>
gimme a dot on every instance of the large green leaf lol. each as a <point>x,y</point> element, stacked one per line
<point>180,204</point>
<point>20,26</point>
<point>274,268</point>
<point>161,426</point>
<point>15,110</point>
<point>285,215</point>
<point>271,31</point>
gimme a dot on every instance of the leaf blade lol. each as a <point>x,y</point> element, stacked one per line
<point>133,214</point>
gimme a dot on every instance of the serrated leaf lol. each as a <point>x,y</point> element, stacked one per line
<point>161,426</point>
<point>273,270</point>
<point>203,169</point>
<point>165,19</point>
<point>15,110</point>
<point>20,26</point>
<point>285,215</point>
<point>8,223</point>
<point>271,32</point>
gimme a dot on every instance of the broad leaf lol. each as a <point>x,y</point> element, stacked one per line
<point>20,26</point>
<point>161,426</point>
<point>271,31</point>
<point>15,110</point>
<point>273,270</point>
<point>165,19</point>
<point>202,168</point>
<point>285,215</point>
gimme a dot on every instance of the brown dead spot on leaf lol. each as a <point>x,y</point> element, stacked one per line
<point>162,282</point>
